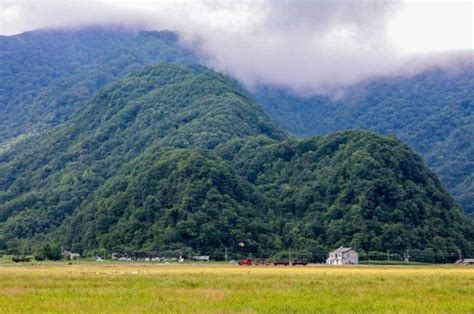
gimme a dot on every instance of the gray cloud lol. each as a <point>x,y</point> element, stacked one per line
<point>308,46</point>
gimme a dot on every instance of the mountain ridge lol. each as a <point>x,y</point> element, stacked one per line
<point>181,158</point>
<point>95,56</point>
<point>433,112</point>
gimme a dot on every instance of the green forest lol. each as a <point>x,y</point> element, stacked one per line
<point>433,112</point>
<point>45,75</point>
<point>180,158</point>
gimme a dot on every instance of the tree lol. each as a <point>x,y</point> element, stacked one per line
<point>52,253</point>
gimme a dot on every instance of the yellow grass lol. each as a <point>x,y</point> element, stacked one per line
<point>151,288</point>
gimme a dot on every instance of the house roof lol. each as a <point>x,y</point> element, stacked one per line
<point>342,250</point>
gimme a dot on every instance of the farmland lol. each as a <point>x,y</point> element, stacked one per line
<point>140,287</point>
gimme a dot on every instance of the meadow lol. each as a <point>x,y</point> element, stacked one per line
<point>210,288</point>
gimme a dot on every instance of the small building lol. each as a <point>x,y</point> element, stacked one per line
<point>343,256</point>
<point>465,261</point>
<point>71,255</point>
<point>202,258</point>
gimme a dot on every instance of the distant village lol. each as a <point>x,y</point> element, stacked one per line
<point>339,256</point>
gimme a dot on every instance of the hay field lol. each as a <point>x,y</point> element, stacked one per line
<point>148,288</point>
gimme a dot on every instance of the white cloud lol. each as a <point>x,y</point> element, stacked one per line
<point>306,45</point>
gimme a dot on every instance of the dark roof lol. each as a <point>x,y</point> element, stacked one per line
<point>343,250</point>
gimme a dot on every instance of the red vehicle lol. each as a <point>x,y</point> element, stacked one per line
<point>245,262</point>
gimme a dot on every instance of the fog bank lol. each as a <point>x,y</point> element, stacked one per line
<point>307,46</point>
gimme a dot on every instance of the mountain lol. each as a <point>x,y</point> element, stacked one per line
<point>172,199</point>
<point>181,159</point>
<point>433,112</point>
<point>45,74</point>
<point>45,178</point>
<point>357,188</point>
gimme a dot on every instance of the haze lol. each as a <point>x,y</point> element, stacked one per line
<point>307,46</point>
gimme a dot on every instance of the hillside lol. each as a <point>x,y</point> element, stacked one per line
<point>45,178</point>
<point>176,158</point>
<point>46,74</point>
<point>432,112</point>
<point>355,188</point>
<point>172,199</point>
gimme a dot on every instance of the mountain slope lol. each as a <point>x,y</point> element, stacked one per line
<point>432,112</point>
<point>44,75</point>
<point>45,178</point>
<point>172,199</point>
<point>351,188</point>
<point>175,159</point>
<point>355,188</point>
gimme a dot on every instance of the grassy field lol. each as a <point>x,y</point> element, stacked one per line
<point>138,288</point>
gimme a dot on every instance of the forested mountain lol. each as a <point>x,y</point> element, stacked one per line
<point>180,158</point>
<point>352,187</point>
<point>44,75</point>
<point>45,178</point>
<point>433,112</point>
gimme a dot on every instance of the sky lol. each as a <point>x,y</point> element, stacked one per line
<point>309,46</point>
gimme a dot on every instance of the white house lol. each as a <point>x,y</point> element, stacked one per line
<point>71,255</point>
<point>466,261</point>
<point>200,258</point>
<point>343,256</point>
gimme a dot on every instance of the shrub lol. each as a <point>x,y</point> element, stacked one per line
<point>39,257</point>
<point>21,259</point>
<point>52,253</point>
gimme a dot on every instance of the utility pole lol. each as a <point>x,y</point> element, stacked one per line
<point>388,255</point>
<point>225,254</point>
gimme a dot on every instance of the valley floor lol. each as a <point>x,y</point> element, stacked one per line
<point>151,288</point>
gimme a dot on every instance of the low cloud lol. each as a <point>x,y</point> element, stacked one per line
<point>307,46</point>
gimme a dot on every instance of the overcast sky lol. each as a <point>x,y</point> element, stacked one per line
<point>309,46</point>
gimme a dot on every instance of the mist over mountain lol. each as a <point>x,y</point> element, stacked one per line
<point>306,46</point>
<point>433,112</point>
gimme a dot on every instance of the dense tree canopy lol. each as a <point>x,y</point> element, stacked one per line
<point>351,188</point>
<point>45,75</point>
<point>433,112</point>
<point>176,158</point>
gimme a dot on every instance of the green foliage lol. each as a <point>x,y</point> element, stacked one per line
<point>48,252</point>
<point>161,106</point>
<point>20,259</point>
<point>47,74</point>
<point>181,159</point>
<point>352,188</point>
<point>433,112</point>
<point>172,198</point>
